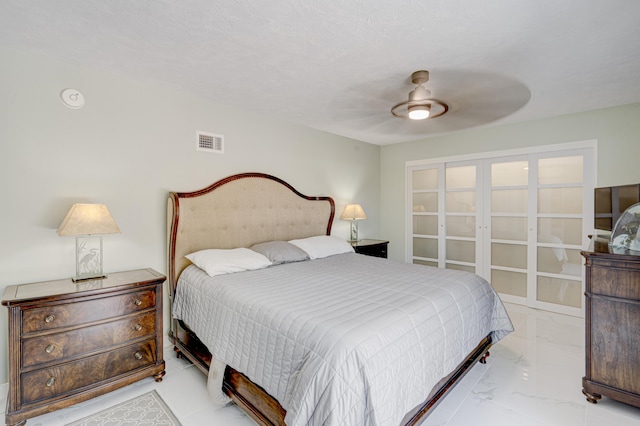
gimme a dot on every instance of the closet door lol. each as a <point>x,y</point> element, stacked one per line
<point>507,239</point>
<point>564,187</point>
<point>463,216</point>
<point>425,219</point>
<point>445,215</point>
<point>516,220</point>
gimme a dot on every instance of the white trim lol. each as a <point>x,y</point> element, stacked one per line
<point>560,309</point>
<point>4,390</point>
<point>591,143</point>
<point>518,300</point>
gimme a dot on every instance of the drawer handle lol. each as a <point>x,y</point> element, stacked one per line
<point>138,355</point>
<point>137,302</point>
<point>51,381</point>
<point>49,318</point>
<point>49,349</point>
<point>137,327</point>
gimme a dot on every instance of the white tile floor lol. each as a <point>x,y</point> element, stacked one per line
<point>533,377</point>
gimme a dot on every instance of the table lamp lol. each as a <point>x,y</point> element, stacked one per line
<point>354,213</point>
<point>88,222</point>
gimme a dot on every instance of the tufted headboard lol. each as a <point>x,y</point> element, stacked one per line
<point>239,211</point>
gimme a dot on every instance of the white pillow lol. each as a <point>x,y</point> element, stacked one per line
<point>323,246</point>
<point>217,261</point>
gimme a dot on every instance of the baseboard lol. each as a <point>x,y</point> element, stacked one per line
<point>4,389</point>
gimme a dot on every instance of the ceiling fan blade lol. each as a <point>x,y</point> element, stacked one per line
<point>474,99</point>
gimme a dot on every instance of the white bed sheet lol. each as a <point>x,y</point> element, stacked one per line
<point>345,340</point>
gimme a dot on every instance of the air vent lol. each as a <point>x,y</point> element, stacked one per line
<point>210,142</point>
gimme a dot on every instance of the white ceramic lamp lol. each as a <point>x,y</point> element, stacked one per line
<point>353,213</point>
<point>88,222</point>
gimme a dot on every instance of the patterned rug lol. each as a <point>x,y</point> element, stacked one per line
<point>145,410</point>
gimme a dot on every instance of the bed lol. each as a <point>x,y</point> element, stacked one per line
<point>340,338</point>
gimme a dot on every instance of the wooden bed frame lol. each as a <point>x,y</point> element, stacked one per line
<point>240,211</point>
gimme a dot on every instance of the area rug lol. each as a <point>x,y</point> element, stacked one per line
<point>144,410</point>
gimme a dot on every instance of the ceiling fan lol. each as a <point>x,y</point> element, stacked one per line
<point>420,106</point>
<point>461,99</point>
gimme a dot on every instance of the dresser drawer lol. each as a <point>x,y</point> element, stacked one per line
<point>615,281</point>
<point>66,378</point>
<point>60,346</point>
<point>379,250</point>
<point>64,315</point>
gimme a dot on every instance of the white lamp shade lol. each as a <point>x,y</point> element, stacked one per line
<point>88,219</point>
<point>353,212</point>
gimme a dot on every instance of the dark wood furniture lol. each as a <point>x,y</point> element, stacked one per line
<point>239,211</point>
<point>72,341</point>
<point>612,324</point>
<point>376,248</point>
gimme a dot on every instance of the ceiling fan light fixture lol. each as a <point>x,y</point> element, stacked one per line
<point>419,112</point>
<point>419,106</point>
<point>419,94</point>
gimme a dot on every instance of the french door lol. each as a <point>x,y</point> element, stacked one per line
<point>519,221</point>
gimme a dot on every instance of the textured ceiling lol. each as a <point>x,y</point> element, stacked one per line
<point>339,65</point>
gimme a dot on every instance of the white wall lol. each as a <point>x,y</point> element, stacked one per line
<point>617,131</point>
<point>134,141</point>
<point>131,144</point>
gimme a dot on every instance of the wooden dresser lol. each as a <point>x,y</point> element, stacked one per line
<point>72,341</point>
<point>612,324</point>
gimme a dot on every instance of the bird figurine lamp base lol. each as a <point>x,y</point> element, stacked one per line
<point>353,232</point>
<point>88,258</point>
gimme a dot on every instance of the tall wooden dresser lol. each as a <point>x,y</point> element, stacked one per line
<point>71,341</point>
<point>612,324</point>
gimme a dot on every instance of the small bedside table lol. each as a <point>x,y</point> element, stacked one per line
<point>376,248</point>
<point>72,341</point>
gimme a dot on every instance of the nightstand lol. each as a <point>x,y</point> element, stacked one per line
<point>376,248</point>
<point>72,341</point>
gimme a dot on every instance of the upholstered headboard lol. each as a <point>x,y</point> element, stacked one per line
<point>239,211</point>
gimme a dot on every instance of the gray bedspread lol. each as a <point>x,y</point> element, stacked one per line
<point>344,340</point>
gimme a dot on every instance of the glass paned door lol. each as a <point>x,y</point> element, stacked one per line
<point>516,220</point>
<point>425,184</point>
<point>461,188</point>
<point>508,238</point>
<point>560,231</point>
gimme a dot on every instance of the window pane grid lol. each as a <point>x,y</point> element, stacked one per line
<point>526,227</point>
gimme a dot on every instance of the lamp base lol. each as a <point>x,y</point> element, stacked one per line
<point>88,258</point>
<point>353,232</point>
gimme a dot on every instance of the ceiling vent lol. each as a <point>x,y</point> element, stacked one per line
<point>210,142</point>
